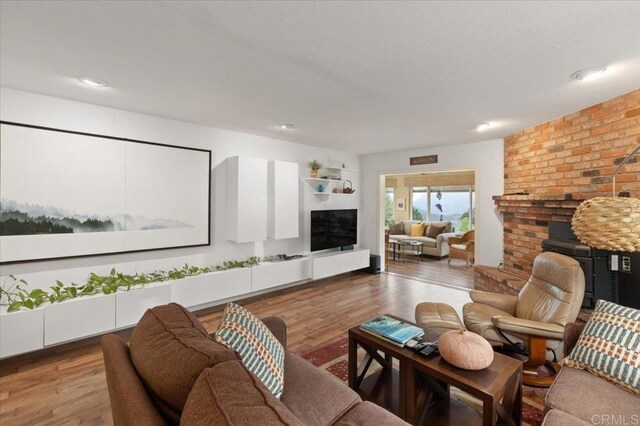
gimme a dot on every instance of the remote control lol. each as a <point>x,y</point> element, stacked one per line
<point>430,348</point>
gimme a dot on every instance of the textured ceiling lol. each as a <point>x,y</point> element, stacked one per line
<point>359,76</point>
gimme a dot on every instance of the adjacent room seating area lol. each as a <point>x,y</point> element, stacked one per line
<point>319,213</point>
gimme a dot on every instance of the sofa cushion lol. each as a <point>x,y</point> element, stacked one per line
<point>433,230</point>
<point>261,353</point>
<point>609,345</point>
<point>227,394</point>
<point>397,229</point>
<point>560,418</point>
<point>582,395</point>
<point>169,349</point>
<point>426,241</point>
<point>314,396</point>
<point>366,413</point>
<point>417,230</point>
<point>408,224</point>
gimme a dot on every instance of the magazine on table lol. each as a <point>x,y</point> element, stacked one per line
<point>392,330</point>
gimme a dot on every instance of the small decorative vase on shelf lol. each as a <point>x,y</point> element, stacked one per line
<point>313,174</point>
<point>320,188</point>
<point>314,165</point>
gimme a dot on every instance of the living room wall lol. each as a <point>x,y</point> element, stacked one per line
<point>566,159</point>
<point>24,107</point>
<point>485,158</point>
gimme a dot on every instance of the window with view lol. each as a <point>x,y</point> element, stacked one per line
<point>388,207</point>
<point>455,204</point>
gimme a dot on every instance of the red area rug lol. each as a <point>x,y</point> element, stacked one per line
<point>334,359</point>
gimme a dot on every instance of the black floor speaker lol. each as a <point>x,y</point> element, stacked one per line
<point>374,264</point>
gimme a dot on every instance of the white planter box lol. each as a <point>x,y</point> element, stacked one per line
<point>206,288</point>
<point>269,275</point>
<point>132,304</point>
<point>21,331</point>
<point>77,318</point>
<point>334,263</point>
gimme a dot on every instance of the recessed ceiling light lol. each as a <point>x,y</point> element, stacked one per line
<point>482,127</point>
<point>287,126</point>
<point>589,73</point>
<point>93,82</point>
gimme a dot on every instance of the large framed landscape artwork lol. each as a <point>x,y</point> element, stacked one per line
<point>68,194</point>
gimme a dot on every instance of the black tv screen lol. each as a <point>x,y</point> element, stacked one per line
<point>333,228</point>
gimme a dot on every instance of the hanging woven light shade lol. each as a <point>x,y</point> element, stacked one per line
<point>609,223</point>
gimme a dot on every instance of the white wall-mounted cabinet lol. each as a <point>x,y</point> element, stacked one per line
<point>283,200</point>
<point>206,288</point>
<point>81,317</point>
<point>338,262</point>
<point>246,189</point>
<point>131,305</point>
<point>21,331</point>
<point>268,275</point>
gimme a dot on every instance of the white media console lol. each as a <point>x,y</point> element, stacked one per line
<point>53,324</point>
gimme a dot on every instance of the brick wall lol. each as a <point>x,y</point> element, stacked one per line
<point>571,157</point>
<point>576,154</point>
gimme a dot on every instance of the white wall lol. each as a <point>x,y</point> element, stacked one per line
<point>47,111</point>
<point>486,158</point>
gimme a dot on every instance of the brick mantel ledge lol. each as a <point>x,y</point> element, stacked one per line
<point>538,207</point>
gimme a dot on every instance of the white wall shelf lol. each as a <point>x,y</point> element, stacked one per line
<point>332,263</point>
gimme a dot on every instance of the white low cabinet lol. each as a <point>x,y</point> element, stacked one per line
<point>268,275</point>
<point>81,317</point>
<point>132,304</point>
<point>21,331</point>
<point>334,263</point>
<point>207,288</point>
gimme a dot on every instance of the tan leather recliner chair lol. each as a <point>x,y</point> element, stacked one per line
<point>536,316</point>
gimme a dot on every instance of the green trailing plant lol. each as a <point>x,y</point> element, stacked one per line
<point>15,292</point>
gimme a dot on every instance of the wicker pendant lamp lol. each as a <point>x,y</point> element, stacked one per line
<point>609,223</point>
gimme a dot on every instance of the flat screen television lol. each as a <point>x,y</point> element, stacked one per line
<point>333,228</point>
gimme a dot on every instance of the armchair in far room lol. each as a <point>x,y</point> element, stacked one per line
<point>463,247</point>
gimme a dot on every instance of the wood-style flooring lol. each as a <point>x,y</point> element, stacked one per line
<point>434,270</point>
<point>67,385</point>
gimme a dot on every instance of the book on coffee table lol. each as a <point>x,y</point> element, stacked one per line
<point>392,330</point>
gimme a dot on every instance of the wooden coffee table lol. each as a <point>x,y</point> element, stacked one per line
<point>418,391</point>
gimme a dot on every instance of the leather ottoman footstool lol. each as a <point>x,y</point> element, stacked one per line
<point>436,318</point>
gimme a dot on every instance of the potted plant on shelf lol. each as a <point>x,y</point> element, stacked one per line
<point>314,165</point>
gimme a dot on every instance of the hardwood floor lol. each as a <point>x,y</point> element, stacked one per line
<point>434,270</point>
<point>67,384</point>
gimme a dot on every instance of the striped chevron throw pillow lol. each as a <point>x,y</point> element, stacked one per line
<point>609,346</point>
<point>260,351</point>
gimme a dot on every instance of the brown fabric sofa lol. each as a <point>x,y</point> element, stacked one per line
<point>578,397</point>
<point>224,393</point>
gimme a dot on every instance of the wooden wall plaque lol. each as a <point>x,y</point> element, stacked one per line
<point>425,159</point>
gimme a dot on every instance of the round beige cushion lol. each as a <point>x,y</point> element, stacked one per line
<point>466,350</point>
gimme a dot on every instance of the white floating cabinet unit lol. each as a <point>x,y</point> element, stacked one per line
<point>132,304</point>
<point>21,331</point>
<point>283,207</point>
<point>81,317</point>
<point>339,262</point>
<point>207,288</point>
<point>246,199</point>
<point>274,274</point>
